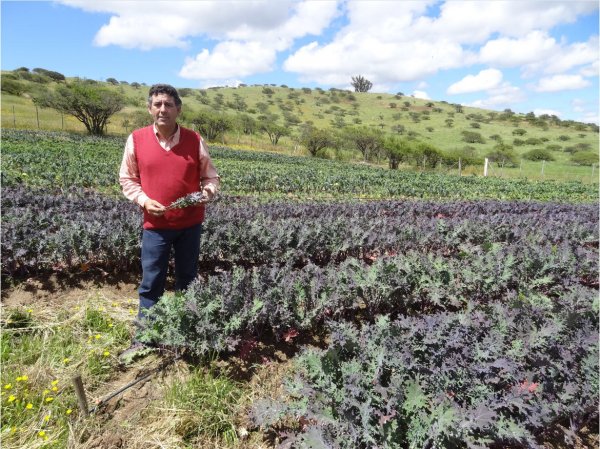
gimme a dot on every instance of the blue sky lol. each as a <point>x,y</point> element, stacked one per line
<point>526,55</point>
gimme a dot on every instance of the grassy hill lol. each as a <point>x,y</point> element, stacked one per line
<point>438,123</point>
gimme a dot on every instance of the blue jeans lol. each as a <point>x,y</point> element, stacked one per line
<point>156,252</point>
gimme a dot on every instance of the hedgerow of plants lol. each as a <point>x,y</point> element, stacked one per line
<point>217,313</point>
<point>56,160</point>
<point>79,230</point>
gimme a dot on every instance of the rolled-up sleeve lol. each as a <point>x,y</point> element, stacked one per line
<point>129,175</point>
<point>209,178</point>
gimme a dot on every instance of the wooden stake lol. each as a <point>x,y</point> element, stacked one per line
<point>80,392</point>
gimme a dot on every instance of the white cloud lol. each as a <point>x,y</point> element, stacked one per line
<point>229,60</point>
<point>562,58</point>
<point>507,52</point>
<point>587,110</point>
<point>249,33</point>
<point>561,82</point>
<point>485,80</point>
<point>505,95</point>
<point>590,70</point>
<point>590,117</point>
<point>539,112</point>
<point>146,25</point>
<point>421,94</point>
<point>508,18</point>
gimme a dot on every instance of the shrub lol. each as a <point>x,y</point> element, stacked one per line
<point>585,158</point>
<point>11,86</point>
<point>472,137</point>
<point>503,154</point>
<point>538,154</point>
<point>533,141</point>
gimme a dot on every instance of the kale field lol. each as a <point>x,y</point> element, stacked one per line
<point>418,310</point>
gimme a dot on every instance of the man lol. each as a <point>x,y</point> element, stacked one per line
<point>161,163</point>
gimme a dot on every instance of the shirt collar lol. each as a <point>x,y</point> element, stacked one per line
<point>175,135</point>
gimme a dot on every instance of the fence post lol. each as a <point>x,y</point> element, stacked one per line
<point>485,167</point>
<point>459,166</point>
<point>37,117</point>
<point>593,167</point>
<point>14,118</point>
<point>80,392</point>
<point>543,165</point>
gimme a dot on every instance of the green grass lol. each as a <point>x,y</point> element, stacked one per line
<point>42,350</point>
<point>44,347</point>
<point>205,404</point>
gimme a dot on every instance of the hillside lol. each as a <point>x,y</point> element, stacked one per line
<point>438,123</point>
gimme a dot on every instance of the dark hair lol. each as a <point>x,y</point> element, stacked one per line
<point>164,89</point>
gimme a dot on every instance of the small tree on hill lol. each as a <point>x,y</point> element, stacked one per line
<point>397,150</point>
<point>366,140</point>
<point>315,139</point>
<point>91,104</point>
<point>503,155</point>
<point>211,125</point>
<point>273,130</point>
<point>361,84</point>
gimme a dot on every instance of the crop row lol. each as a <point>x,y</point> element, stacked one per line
<point>217,311</point>
<point>54,160</point>
<point>505,374</point>
<point>80,230</point>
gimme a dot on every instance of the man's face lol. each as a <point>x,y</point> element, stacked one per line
<point>163,110</point>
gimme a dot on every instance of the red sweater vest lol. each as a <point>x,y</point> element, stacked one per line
<point>168,175</point>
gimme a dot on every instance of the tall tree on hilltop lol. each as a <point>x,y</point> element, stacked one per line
<point>361,84</point>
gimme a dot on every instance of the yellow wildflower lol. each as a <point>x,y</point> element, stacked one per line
<point>7,386</point>
<point>42,433</point>
<point>11,398</point>
<point>69,411</point>
<point>55,382</point>
<point>54,388</point>
<point>106,353</point>
<point>97,336</point>
<point>47,418</point>
<point>29,406</point>
<point>49,399</point>
<point>66,360</point>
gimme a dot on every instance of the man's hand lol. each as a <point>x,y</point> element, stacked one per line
<point>208,193</point>
<point>154,208</point>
